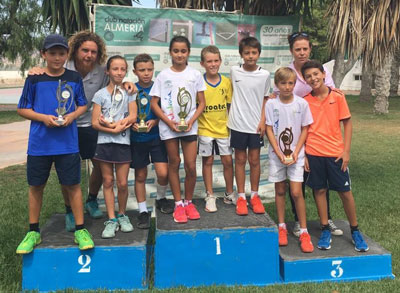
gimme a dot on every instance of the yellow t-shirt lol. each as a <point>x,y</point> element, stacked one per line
<point>214,119</point>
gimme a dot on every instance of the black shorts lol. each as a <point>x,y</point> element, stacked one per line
<point>68,169</point>
<point>187,138</point>
<point>113,153</point>
<point>325,173</point>
<point>243,140</point>
<point>87,139</point>
<point>142,152</point>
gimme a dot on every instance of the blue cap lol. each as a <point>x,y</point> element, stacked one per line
<point>54,40</point>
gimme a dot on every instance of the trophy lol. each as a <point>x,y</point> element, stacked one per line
<point>184,100</point>
<point>143,110</point>
<point>63,95</point>
<point>117,102</point>
<point>286,137</point>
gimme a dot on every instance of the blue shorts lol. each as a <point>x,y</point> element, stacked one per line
<point>87,139</point>
<point>143,151</point>
<point>325,173</point>
<point>243,140</point>
<point>68,169</point>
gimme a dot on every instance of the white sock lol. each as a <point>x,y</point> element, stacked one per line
<point>282,225</point>
<point>161,191</point>
<point>178,203</point>
<point>253,193</point>
<point>142,207</point>
<point>242,195</point>
<point>303,230</point>
<point>186,202</point>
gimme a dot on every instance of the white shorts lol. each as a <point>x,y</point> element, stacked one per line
<point>279,172</point>
<point>209,146</point>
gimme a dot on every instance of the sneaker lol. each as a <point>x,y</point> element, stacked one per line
<point>241,207</point>
<point>124,223</point>
<point>334,229</point>
<point>92,207</point>
<point>143,220</point>
<point>180,214</point>
<point>165,206</point>
<point>305,243</point>
<point>69,222</point>
<point>110,229</point>
<point>325,240</point>
<point>32,238</point>
<point>256,205</point>
<point>359,242</point>
<point>296,229</point>
<point>282,236</point>
<point>191,212</point>
<point>230,198</point>
<point>211,206</point>
<point>84,239</point>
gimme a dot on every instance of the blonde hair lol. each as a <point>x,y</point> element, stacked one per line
<point>76,41</point>
<point>284,74</point>
<point>210,49</point>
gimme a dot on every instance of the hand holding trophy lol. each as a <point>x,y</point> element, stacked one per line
<point>143,110</point>
<point>63,95</point>
<point>184,100</point>
<point>117,102</point>
<point>286,137</point>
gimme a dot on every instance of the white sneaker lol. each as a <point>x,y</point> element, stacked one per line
<point>211,206</point>
<point>334,229</point>
<point>230,198</point>
<point>296,229</point>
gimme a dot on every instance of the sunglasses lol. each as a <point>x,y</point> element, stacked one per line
<point>295,35</point>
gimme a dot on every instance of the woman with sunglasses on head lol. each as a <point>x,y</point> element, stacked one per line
<point>300,48</point>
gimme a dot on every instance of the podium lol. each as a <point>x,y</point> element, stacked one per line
<point>58,264</point>
<point>220,248</point>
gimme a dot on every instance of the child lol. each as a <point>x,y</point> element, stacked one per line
<point>148,144</point>
<point>213,130</point>
<point>50,141</point>
<point>114,111</point>
<point>177,88</point>
<point>288,118</point>
<point>251,86</point>
<point>328,153</point>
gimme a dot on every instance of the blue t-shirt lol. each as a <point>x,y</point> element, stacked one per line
<point>40,95</point>
<point>154,132</point>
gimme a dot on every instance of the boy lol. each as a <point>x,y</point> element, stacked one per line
<point>288,118</point>
<point>50,141</point>
<point>148,144</point>
<point>246,120</point>
<point>213,131</point>
<point>328,153</point>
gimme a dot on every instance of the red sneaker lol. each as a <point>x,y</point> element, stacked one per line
<point>283,237</point>
<point>305,243</point>
<point>256,205</point>
<point>241,207</point>
<point>191,212</point>
<point>180,215</point>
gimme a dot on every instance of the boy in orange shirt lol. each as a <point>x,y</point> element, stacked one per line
<point>328,153</point>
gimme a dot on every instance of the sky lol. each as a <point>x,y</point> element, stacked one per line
<point>146,4</point>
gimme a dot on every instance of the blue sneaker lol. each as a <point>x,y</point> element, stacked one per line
<point>359,242</point>
<point>325,240</point>
<point>92,207</point>
<point>69,222</point>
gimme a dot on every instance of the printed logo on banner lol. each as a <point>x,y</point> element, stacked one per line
<point>275,35</point>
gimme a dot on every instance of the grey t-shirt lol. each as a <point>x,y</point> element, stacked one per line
<point>103,98</point>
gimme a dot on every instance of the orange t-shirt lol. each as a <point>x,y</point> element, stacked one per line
<point>324,137</point>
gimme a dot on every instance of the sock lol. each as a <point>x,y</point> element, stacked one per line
<point>142,207</point>
<point>178,203</point>
<point>282,225</point>
<point>242,195</point>
<point>113,219</point>
<point>353,228</point>
<point>79,227</point>
<point>120,215</point>
<point>187,202</point>
<point>325,227</point>
<point>161,191</point>
<point>303,230</point>
<point>34,227</point>
<point>91,197</point>
<point>253,193</point>
<point>68,209</point>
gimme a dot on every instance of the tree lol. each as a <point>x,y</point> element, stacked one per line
<point>394,77</point>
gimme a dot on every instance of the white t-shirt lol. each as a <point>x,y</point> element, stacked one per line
<point>249,90</point>
<point>288,119</point>
<point>167,86</point>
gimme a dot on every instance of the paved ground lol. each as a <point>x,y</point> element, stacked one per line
<point>13,143</point>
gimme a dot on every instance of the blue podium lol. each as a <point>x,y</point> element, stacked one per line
<point>58,264</point>
<point>220,248</point>
<point>340,263</point>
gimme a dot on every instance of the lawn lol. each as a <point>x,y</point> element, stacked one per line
<point>375,170</point>
<point>9,117</point>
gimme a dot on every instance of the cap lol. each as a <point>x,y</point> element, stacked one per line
<point>54,40</point>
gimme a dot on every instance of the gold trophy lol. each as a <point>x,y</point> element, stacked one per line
<point>117,101</point>
<point>184,100</point>
<point>286,137</point>
<point>142,102</point>
<point>63,95</point>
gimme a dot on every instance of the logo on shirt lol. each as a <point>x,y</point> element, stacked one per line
<point>215,108</point>
<point>168,84</point>
<point>237,80</point>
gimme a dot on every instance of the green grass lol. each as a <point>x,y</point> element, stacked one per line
<point>375,170</point>
<point>9,117</point>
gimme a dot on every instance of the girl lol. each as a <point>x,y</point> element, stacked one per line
<point>176,88</point>
<point>114,111</point>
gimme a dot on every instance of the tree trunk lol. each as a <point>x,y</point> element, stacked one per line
<point>366,83</point>
<point>382,87</point>
<point>341,68</point>
<point>394,79</point>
